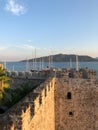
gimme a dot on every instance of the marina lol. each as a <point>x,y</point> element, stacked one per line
<point>21,66</point>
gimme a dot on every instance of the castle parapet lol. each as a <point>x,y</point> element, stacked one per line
<point>21,114</point>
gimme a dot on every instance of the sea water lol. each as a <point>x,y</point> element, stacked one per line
<point>22,66</point>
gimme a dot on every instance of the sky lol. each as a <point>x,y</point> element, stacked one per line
<point>49,27</point>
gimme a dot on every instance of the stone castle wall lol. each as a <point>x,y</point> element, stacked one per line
<point>57,104</point>
<point>76,104</point>
<point>44,113</point>
<point>34,112</point>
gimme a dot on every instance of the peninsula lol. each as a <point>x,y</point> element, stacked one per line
<point>64,58</point>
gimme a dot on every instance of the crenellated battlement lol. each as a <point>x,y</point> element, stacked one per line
<point>28,106</point>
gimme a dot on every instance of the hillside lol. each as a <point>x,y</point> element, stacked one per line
<point>65,57</point>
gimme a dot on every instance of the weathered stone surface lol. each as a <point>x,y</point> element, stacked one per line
<point>77,113</point>
<point>57,104</point>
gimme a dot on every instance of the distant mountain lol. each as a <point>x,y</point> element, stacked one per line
<point>96,58</point>
<point>65,57</point>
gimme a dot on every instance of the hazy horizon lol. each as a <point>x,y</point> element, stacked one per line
<point>19,60</point>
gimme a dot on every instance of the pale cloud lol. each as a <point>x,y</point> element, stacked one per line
<point>30,47</point>
<point>24,47</point>
<point>2,48</point>
<point>15,8</point>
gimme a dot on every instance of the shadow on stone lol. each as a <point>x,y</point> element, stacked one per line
<point>2,110</point>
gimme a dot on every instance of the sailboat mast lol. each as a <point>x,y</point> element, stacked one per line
<point>70,63</point>
<point>5,65</point>
<point>49,61</point>
<point>13,68</point>
<point>33,66</point>
<point>27,65</point>
<point>77,65</point>
<point>35,59</point>
<point>42,63</point>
